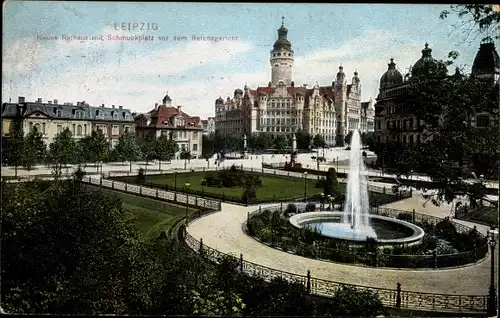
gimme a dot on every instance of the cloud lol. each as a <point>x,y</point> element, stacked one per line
<point>23,56</point>
<point>127,81</point>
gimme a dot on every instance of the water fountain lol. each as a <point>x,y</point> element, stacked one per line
<point>354,223</point>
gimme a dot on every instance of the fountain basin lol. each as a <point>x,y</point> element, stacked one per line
<point>330,224</point>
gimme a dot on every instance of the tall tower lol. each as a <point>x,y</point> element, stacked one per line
<point>281,58</point>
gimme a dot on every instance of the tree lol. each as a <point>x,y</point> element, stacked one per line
<point>319,141</point>
<point>444,106</point>
<point>185,155</point>
<point>303,139</point>
<point>368,139</point>
<point>127,148</point>
<point>332,185</point>
<point>62,151</point>
<point>165,149</point>
<point>476,19</point>
<point>147,148</point>
<point>347,138</point>
<point>280,143</point>
<point>34,149</point>
<point>13,148</point>
<point>208,147</point>
<point>265,141</point>
<point>98,147</point>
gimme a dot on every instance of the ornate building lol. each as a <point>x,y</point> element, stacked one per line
<point>208,125</point>
<point>282,107</point>
<point>51,118</point>
<point>395,123</point>
<point>164,119</point>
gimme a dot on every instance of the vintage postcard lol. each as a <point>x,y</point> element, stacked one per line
<point>250,159</point>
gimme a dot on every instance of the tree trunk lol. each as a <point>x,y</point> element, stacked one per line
<point>15,171</point>
<point>146,168</point>
<point>159,165</point>
<point>130,162</point>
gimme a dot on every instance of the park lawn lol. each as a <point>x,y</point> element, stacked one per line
<point>281,187</point>
<point>485,214</point>
<point>150,216</point>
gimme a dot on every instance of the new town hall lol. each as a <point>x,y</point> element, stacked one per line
<point>282,107</point>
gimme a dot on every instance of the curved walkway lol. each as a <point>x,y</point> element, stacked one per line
<point>223,232</point>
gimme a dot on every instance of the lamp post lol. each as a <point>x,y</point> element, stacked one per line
<point>322,201</point>
<point>492,303</point>
<point>305,186</point>
<point>329,199</point>
<point>187,185</point>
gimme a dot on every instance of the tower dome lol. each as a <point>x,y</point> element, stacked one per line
<point>340,75</point>
<point>427,64</point>
<point>487,61</point>
<point>238,92</point>
<point>282,41</point>
<point>219,100</point>
<point>392,76</point>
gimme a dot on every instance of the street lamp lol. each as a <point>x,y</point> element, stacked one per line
<point>492,304</point>
<point>305,186</point>
<point>322,201</point>
<point>329,199</point>
<point>187,185</point>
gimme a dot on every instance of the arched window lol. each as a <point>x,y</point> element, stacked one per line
<point>79,130</point>
<point>37,127</point>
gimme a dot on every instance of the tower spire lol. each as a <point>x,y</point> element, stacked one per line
<point>283,21</point>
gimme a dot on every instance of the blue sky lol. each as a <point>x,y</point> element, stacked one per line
<point>137,74</point>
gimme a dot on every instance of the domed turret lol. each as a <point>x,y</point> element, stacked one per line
<point>219,101</point>
<point>427,64</point>
<point>238,93</point>
<point>167,101</point>
<point>282,42</point>
<point>355,79</point>
<point>392,76</point>
<point>487,61</point>
<point>341,75</point>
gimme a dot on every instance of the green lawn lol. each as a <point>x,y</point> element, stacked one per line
<point>283,187</point>
<point>150,216</point>
<point>485,214</point>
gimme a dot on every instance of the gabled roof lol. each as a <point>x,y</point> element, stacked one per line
<point>160,115</point>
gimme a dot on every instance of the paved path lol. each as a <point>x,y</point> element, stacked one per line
<point>223,231</point>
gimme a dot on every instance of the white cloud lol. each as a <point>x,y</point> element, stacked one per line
<point>121,83</point>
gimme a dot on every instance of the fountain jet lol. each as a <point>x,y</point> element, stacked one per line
<point>356,208</point>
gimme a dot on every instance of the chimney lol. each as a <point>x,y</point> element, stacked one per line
<point>179,108</point>
<point>50,102</point>
<point>120,107</point>
<point>55,101</point>
<point>21,100</point>
<point>305,85</point>
<point>113,106</point>
<point>39,100</point>
<point>156,106</point>
<point>102,105</point>
<point>292,83</point>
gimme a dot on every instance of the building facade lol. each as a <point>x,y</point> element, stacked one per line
<point>208,126</point>
<point>282,107</point>
<point>396,123</point>
<point>50,118</point>
<point>165,119</point>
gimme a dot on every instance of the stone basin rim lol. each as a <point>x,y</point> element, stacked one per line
<point>298,221</point>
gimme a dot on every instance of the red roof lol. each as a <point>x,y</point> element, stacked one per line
<point>164,113</point>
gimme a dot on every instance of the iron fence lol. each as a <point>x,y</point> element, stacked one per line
<point>389,297</point>
<point>376,258</point>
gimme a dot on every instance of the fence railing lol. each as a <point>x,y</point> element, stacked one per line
<point>390,297</point>
<point>377,258</point>
<point>183,198</point>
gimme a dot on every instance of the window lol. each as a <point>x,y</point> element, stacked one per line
<point>37,127</point>
<point>195,135</point>
<point>74,129</point>
<point>43,128</point>
<point>115,116</point>
<point>127,129</point>
<point>59,113</point>
<point>79,130</point>
<point>115,130</point>
<point>59,129</point>
<point>85,129</point>
<point>195,147</point>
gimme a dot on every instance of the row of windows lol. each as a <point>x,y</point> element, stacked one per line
<point>284,54</point>
<point>404,139</point>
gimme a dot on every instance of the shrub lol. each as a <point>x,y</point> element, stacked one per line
<point>349,301</point>
<point>141,177</point>
<point>405,216</point>
<point>265,234</point>
<point>320,183</point>
<point>290,208</point>
<point>79,173</point>
<point>310,207</point>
